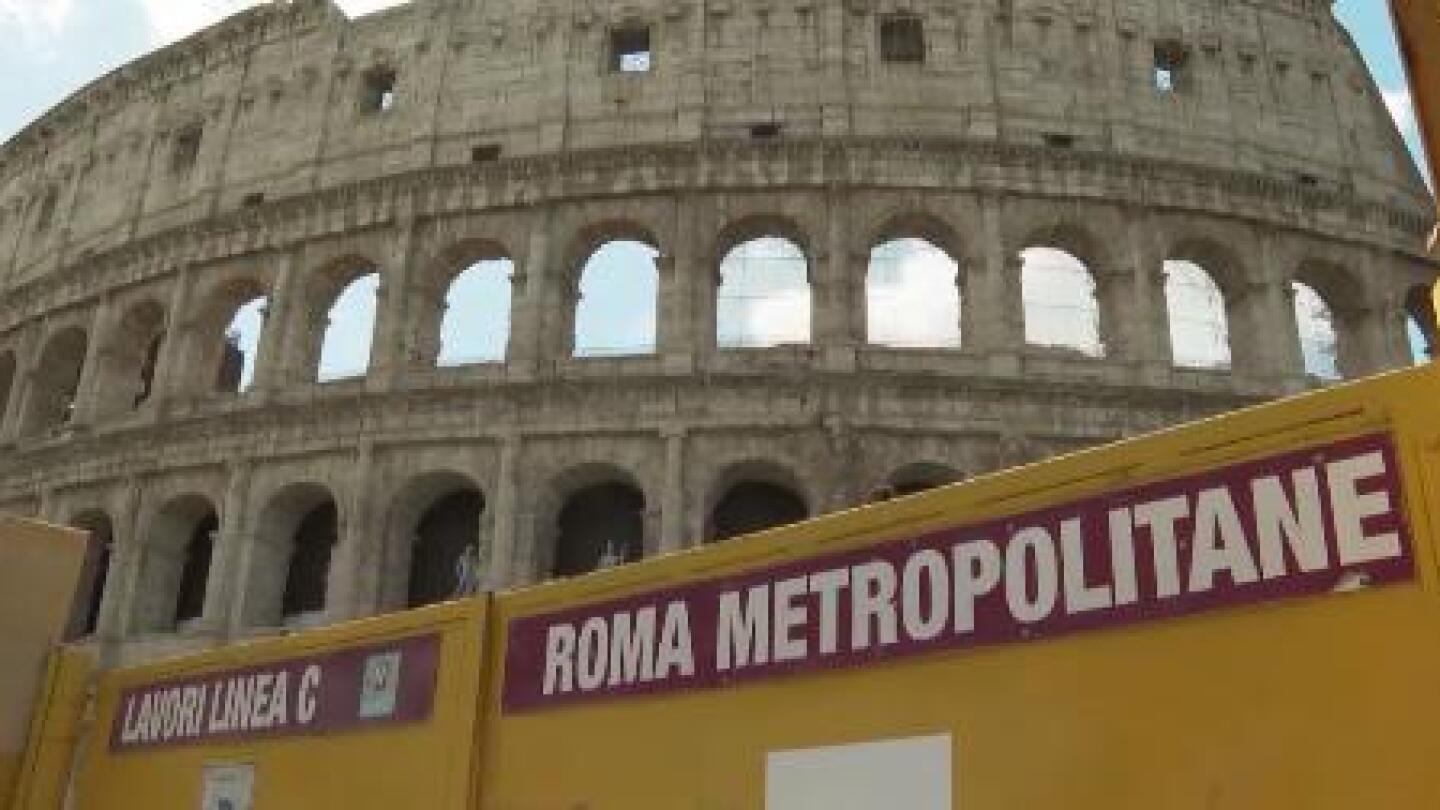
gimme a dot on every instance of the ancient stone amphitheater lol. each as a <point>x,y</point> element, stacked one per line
<point>1139,146</point>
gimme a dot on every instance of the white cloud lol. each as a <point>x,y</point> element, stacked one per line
<point>1402,108</point>
<point>36,22</point>
<point>174,19</point>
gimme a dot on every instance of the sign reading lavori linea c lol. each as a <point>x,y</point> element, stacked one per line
<point>360,687</point>
<point>1299,523</point>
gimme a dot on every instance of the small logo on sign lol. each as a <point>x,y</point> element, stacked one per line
<point>380,684</point>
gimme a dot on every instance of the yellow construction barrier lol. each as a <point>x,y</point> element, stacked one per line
<point>1239,613</point>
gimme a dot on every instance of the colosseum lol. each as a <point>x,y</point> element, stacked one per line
<point>1140,212</point>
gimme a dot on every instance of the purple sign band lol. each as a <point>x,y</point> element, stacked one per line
<point>348,690</point>
<point>1306,522</point>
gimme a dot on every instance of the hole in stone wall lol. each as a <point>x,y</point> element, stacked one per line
<point>1199,331</point>
<point>630,49</point>
<point>1169,71</point>
<point>912,296</point>
<point>253,199</point>
<point>766,131</point>
<point>185,149</point>
<point>485,153</point>
<point>377,92</point>
<point>1058,140</point>
<point>902,39</point>
<point>476,325</point>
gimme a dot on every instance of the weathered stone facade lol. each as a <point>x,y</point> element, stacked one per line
<point>288,149</point>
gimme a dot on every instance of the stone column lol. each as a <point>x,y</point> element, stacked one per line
<point>672,503</point>
<point>226,561</point>
<point>834,329</point>
<point>176,355</point>
<point>390,351</point>
<point>998,312</point>
<point>503,554</point>
<point>97,348</point>
<point>528,316</point>
<point>274,358</point>
<point>1280,334</point>
<point>1138,316</point>
<point>353,586</point>
<point>122,581</point>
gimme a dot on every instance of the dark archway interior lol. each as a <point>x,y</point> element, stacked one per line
<point>85,618</point>
<point>752,506</point>
<point>194,577</point>
<point>446,532</point>
<point>1420,304</point>
<point>309,570</point>
<point>601,524</point>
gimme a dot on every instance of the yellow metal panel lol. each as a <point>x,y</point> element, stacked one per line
<point>422,765</point>
<point>39,568</point>
<point>1319,702</point>
<point>54,732</point>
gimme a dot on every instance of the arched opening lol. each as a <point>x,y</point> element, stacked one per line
<point>56,381</point>
<point>1061,307</point>
<point>599,526</point>
<point>1199,326</point>
<point>349,331</point>
<point>89,596</point>
<point>175,565</point>
<point>618,293</point>
<point>476,325</point>
<point>912,295</point>
<point>1421,322</point>
<point>1319,339</point>
<point>752,506</point>
<point>915,478</point>
<point>195,575</point>
<point>241,347</point>
<point>7,383</point>
<point>127,366</point>
<point>289,564</point>
<point>445,557</point>
<point>764,295</point>
<point>308,575</point>
<point>224,341</point>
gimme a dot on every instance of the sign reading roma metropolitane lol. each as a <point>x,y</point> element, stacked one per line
<point>1325,518</point>
<point>350,689</point>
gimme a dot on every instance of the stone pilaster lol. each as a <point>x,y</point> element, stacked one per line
<point>391,349</point>
<point>503,555</point>
<point>98,345</point>
<point>226,562</point>
<point>274,360</point>
<point>672,497</point>
<point>997,328</point>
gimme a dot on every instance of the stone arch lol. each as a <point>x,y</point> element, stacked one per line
<point>1061,297</point>
<point>434,518</point>
<point>1421,305</point>
<point>128,358</point>
<point>916,477</point>
<point>764,272</point>
<point>612,289</point>
<point>913,295</point>
<point>751,496</point>
<point>1218,292</point>
<point>465,305</point>
<point>223,339</point>
<point>175,563</point>
<point>1329,310</point>
<point>55,381</point>
<point>341,310</point>
<point>288,576</point>
<point>95,574</point>
<point>596,518</point>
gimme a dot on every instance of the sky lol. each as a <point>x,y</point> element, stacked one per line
<point>54,47</point>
